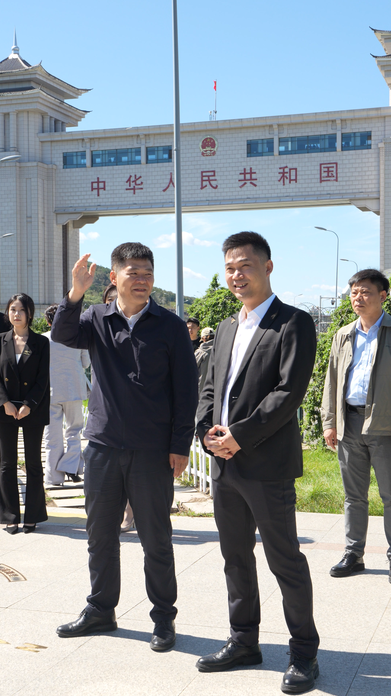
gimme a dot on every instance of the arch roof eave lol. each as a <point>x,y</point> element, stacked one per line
<point>67,90</point>
<point>38,93</point>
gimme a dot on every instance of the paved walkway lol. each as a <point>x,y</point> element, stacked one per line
<point>353,616</point>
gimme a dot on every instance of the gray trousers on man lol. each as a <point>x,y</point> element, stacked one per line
<point>356,454</point>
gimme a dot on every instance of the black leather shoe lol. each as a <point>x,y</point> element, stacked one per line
<point>163,637</point>
<point>349,564</point>
<point>300,675</point>
<point>73,477</point>
<point>87,624</point>
<point>231,655</point>
<point>28,528</point>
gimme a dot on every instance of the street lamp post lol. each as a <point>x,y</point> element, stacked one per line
<point>324,229</point>
<point>294,299</point>
<point>350,261</point>
<point>177,167</point>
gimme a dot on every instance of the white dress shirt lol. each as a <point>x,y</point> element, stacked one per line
<point>135,317</point>
<point>248,324</point>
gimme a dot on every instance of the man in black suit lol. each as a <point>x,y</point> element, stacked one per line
<point>259,370</point>
<point>4,324</point>
<point>140,427</point>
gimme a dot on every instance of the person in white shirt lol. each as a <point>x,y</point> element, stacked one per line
<point>259,369</point>
<point>68,389</point>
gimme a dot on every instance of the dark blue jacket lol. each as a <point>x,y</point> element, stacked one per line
<point>144,392</point>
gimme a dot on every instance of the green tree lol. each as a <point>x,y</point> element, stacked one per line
<point>39,325</point>
<point>217,304</point>
<point>343,315</point>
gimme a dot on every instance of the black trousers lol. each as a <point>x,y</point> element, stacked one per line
<point>241,506</point>
<point>35,505</point>
<point>145,477</point>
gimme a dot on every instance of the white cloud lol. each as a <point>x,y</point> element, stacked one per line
<point>168,240</point>
<point>84,236</point>
<point>188,273</point>
<point>327,287</point>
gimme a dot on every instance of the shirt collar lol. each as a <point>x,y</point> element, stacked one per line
<point>257,314</point>
<point>374,326</point>
<point>134,316</point>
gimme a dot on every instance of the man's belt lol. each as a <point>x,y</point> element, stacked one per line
<point>355,409</point>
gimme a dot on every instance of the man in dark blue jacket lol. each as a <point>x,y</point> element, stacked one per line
<point>140,427</point>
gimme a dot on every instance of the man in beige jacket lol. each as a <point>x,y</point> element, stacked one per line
<point>356,412</point>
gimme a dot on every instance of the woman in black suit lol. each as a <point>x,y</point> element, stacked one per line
<point>24,403</point>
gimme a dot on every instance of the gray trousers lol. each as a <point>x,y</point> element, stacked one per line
<point>60,460</point>
<point>356,454</point>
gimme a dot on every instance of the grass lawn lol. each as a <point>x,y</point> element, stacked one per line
<point>321,490</point>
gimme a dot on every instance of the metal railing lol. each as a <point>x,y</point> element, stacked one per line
<point>199,467</point>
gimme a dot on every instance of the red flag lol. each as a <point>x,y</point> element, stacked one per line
<point>215,85</point>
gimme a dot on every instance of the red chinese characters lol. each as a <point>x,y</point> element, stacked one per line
<point>135,185</point>
<point>170,183</point>
<point>98,185</point>
<point>288,174</point>
<point>328,171</point>
<point>207,179</point>
<point>248,177</point>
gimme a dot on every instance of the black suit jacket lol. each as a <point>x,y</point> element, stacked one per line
<point>266,394</point>
<point>4,323</point>
<point>27,381</point>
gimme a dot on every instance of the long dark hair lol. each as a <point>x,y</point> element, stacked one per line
<point>27,304</point>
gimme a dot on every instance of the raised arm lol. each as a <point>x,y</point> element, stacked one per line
<point>82,278</point>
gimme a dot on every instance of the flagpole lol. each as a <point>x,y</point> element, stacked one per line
<point>215,85</point>
<point>177,168</point>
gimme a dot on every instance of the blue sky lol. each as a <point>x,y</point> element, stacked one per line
<point>267,58</point>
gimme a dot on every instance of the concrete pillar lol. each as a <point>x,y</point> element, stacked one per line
<point>63,127</point>
<point>339,135</point>
<point>2,133</point>
<point>51,127</point>
<point>143,150</point>
<point>87,144</point>
<point>275,137</point>
<point>46,120</point>
<point>13,143</point>
<point>385,204</point>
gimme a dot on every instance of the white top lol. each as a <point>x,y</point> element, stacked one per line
<point>248,324</point>
<point>67,378</point>
<point>135,317</point>
<point>18,356</point>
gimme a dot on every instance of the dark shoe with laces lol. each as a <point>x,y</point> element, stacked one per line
<point>300,675</point>
<point>349,564</point>
<point>163,637</point>
<point>231,655</point>
<point>87,624</point>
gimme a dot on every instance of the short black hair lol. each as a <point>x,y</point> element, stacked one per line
<point>130,250</point>
<point>50,313</point>
<point>376,277</point>
<point>241,239</point>
<point>193,320</point>
<point>27,304</point>
<point>108,290</point>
